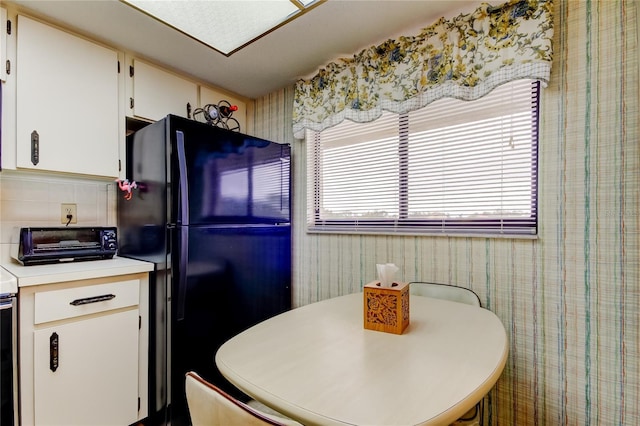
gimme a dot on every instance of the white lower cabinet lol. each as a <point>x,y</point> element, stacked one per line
<point>83,351</point>
<point>86,372</point>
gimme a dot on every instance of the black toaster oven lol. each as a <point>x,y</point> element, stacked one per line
<point>34,246</point>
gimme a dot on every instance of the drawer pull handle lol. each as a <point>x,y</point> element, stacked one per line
<point>93,299</point>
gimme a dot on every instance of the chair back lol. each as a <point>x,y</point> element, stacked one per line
<point>475,416</point>
<point>211,406</point>
<point>445,291</point>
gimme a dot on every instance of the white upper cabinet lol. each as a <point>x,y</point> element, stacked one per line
<point>3,43</point>
<point>67,103</point>
<point>154,93</point>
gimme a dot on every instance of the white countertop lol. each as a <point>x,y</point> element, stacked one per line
<point>8,283</point>
<point>59,272</point>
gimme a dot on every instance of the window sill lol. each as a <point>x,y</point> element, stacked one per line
<point>426,234</point>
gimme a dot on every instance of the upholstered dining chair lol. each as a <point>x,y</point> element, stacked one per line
<point>211,406</point>
<point>461,295</point>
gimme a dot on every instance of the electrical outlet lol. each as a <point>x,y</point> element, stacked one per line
<point>68,210</point>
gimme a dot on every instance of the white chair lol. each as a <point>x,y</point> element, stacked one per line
<point>445,291</point>
<point>211,406</point>
<point>461,295</point>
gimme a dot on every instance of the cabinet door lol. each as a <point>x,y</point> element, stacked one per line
<point>3,45</point>
<point>96,371</point>
<point>67,94</point>
<point>157,93</point>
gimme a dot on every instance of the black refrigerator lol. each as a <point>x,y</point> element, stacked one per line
<point>212,211</point>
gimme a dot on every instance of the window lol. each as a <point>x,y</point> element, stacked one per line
<point>452,167</point>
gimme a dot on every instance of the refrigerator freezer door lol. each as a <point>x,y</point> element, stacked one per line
<point>228,177</point>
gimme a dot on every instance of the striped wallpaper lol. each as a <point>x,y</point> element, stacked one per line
<point>570,299</point>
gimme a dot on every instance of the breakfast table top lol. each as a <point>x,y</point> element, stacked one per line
<point>320,366</point>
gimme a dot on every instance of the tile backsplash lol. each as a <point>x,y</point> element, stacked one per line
<point>34,199</point>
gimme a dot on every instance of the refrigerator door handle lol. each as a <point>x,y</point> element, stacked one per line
<point>182,281</point>
<point>183,200</point>
<point>183,196</point>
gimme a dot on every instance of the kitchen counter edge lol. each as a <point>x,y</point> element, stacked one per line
<point>72,271</point>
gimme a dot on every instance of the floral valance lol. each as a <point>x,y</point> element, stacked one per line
<point>465,57</point>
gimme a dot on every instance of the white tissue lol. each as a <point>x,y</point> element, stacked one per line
<point>386,271</point>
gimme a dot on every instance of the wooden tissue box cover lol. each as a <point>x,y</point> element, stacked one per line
<point>386,308</point>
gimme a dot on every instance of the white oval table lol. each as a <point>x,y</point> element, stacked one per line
<point>318,365</point>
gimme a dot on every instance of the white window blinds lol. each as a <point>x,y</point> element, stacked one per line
<point>451,167</point>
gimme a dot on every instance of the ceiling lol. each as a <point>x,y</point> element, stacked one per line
<point>337,28</point>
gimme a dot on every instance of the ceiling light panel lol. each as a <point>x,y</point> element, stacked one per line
<point>224,25</point>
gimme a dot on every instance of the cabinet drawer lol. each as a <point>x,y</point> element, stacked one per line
<point>72,302</point>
